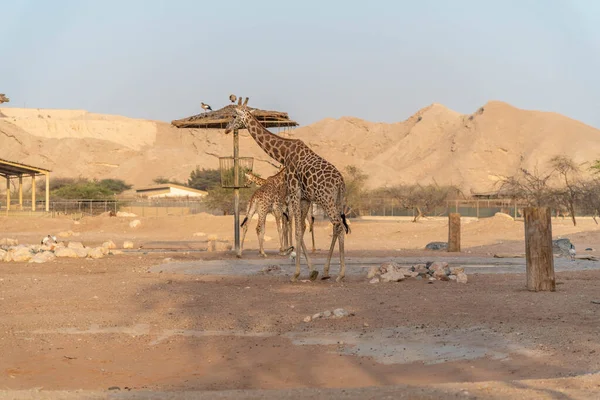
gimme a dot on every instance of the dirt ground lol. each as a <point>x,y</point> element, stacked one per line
<point>119,327</point>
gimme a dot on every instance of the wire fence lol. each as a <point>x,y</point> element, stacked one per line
<point>381,207</point>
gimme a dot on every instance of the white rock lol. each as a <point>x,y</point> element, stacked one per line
<point>340,312</point>
<point>461,277</point>
<point>438,265</point>
<point>127,245</point>
<point>43,257</point>
<point>307,318</point>
<point>392,276</point>
<point>374,280</point>
<point>135,223</point>
<point>456,270</point>
<point>125,214</point>
<point>452,277</point>
<point>326,314</point>
<point>8,242</point>
<point>97,252</point>
<point>317,316</point>
<point>65,252</point>
<point>109,244</point>
<point>2,254</point>
<point>75,245</point>
<point>21,254</point>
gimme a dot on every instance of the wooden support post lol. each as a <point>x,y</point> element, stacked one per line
<point>538,249</point>
<point>453,232</point>
<point>21,192</point>
<point>47,192</point>
<point>236,193</point>
<point>32,192</point>
<point>7,193</point>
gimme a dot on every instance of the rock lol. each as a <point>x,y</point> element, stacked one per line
<point>438,265</point>
<point>392,276</point>
<point>109,245</point>
<point>561,246</point>
<point>388,266</point>
<point>421,268</point>
<point>75,245</point>
<point>461,277</point>
<point>504,215</point>
<point>587,257</point>
<point>374,280</point>
<point>200,234</point>
<point>307,318</point>
<point>340,312</point>
<point>2,254</point>
<point>81,252</point>
<point>43,257</point>
<point>441,273</point>
<point>589,249</point>
<point>327,314</point>
<point>456,270</point>
<point>452,277</point>
<point>96,252</point>
<point>127,245</point>
<point>372,272</point>
<point>65,252</point>
<point>135,223</point>
<point>432,279</point>
<point>9,242</point>
<point>21,254</point>
<point>437,246</point>
<point>443,278</point>
<point>125,214</point>
<point>317,316</point>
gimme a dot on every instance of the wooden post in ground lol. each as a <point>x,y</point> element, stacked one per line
<point>538,249</point>
<point>454,232</point>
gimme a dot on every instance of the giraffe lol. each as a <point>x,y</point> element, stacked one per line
<point>287,229</point>
<point>309,178</point>
<point>268,198</point>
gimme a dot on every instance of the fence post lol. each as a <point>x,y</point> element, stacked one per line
<point>477,208</point>
<point>538,249</point>
<point>454,232</point>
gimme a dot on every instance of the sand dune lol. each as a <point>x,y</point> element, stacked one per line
<point>436,143</point>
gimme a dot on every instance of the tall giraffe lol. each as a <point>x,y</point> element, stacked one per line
<point>309,179</point>
<point>268,198</point>
<point>258,181</point>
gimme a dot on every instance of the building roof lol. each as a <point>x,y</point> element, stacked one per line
<point>12,168</point>
<point>219,119</point>
<point>165,187</point>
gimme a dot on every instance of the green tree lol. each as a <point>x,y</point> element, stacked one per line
<point>82,190</point>
<point>356,193</point>
<point>204,179</point>
<point>116,186</point>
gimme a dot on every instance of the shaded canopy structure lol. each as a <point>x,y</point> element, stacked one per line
<point>12,169</point>
<point>219,119</point>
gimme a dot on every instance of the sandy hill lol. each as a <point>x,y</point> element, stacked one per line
<point>436,143</point>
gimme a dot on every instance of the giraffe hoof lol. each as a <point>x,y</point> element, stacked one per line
<point>325,277</point>
<point>313,275</point>
<point>293,279</point>
<point>339,278</point>
<point>263,255</point>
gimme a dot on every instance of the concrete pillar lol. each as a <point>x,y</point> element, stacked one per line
<point>32,192</point>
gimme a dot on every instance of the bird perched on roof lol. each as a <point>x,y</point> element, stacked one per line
<point>206,107</point>
<point>572,252</point>
<point>232,98</point>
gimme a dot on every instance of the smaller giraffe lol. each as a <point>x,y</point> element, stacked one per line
<point>268,198</point>
<point>287,229</point>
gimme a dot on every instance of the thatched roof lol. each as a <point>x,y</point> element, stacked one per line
<point>219,119</point>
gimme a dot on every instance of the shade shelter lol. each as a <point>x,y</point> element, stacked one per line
<point>218,119</point>
<point>12,169</point>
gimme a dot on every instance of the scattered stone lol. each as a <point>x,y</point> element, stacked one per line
<point>317,316</point>
<point>326,314</point>
<point>21,254</point>
<point>81,252</point>
<point>271,268</point>
<point>307,318</point>
<point>392,276</point>
<point>432,278</point>
<point>43,257</point>
<point>452,277</point>
<point>374,280</point>
<point>109,244</point>
<point>65,252</point>
<point>366,325</point>
<point>340,313</point>
<point>75,245</point>
<point>461,277</point>
<point>589,249</point>
<point>96,253</point>
<point>437,246</point>
<point>372,272</point>
<point>2,254</point>
<point>595,301</point>
<point>438,266</point>
<point>561,247</point>
<point>127,244</point>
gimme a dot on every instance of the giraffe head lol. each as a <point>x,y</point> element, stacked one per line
<point>240,116</point>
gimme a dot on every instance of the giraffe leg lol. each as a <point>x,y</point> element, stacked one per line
<point>312,231</point>
<point>260,232</point>
<point>249,214</point>
<point>328,262</point>
<point>304,207</point>
<point>341,236</point>
<point>279,222</point>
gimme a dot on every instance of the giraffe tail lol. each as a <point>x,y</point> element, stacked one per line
<point>345,223</point>
<point>244,221</point>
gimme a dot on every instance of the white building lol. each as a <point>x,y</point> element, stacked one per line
<point>169,190</point>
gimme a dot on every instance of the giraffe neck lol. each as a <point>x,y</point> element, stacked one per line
<point>275,146</point>
<point>253,178</point>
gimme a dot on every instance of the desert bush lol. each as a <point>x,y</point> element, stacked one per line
<point>204,179</point>
<point>356,192</point>
<point>423,199</point>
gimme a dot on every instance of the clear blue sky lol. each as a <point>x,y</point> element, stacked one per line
<point>377,60</point>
